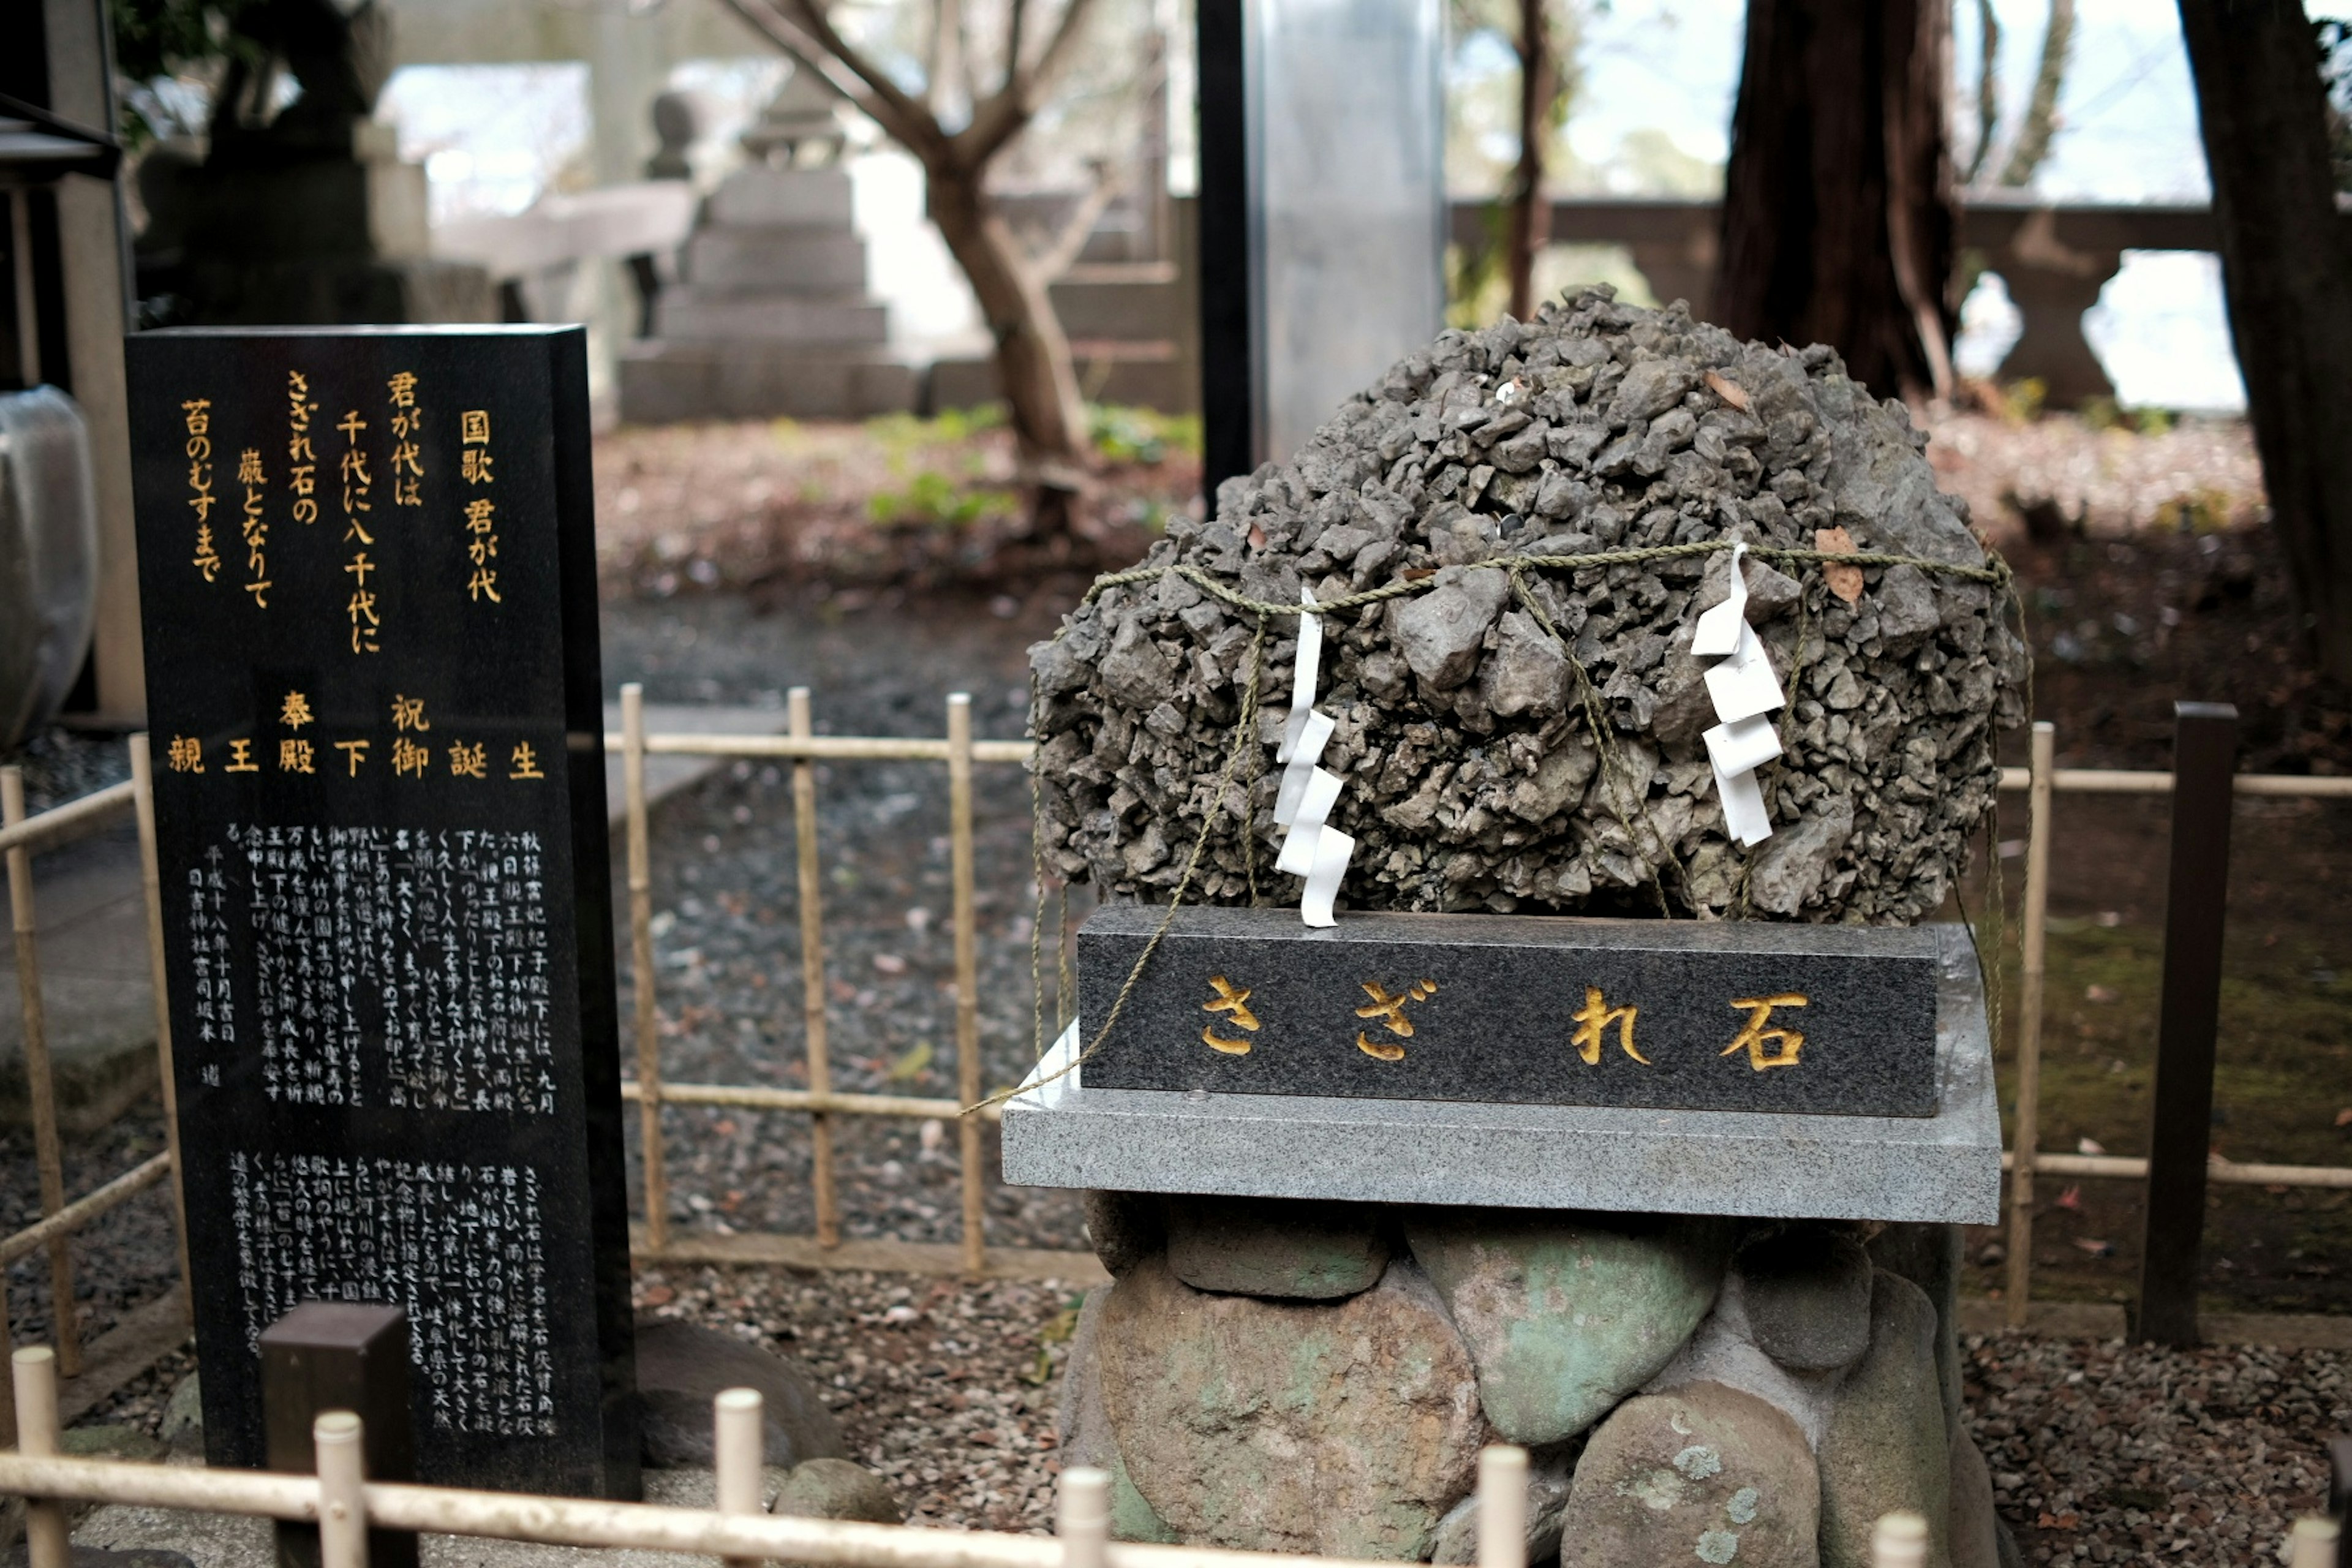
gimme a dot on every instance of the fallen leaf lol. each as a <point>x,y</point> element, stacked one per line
<point>2100,993</point>
<point>1845,582</point>
<point>2344,1117</point>
<point>910,1067</point>
<point>658,1296</point>
<point>2071,1198</point>
<point>1256,537</point>
<point>890,964</point>
<point>1728,390</point>
<point>2094,1247</point>
<point>2089,1146</point>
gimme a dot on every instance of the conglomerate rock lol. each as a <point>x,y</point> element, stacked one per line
<point>1472,776</point>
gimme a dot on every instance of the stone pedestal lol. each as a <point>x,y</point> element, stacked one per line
<point>1726,1336</point>
<point>771,316</point>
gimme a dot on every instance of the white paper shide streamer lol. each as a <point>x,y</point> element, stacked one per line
<point>1311,849</point>
<point>1746,692</point>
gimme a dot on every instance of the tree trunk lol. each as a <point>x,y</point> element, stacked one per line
<point>1033,355</point>
<point>1530,214</point>
<point>2284,259</point>
<point>1838,215</point>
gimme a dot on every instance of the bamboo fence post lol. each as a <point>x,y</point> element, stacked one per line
<point>641,963</point>
<point>7,1349</point>
<point>151,877</point>
<point>39,1089</point>
<point>342,1490</point>
<point>826,1201</point>
<point>967,978</point>
<point>2028,1123</point>
<point>1503,1507</point>
<point>2314,1543</point>
<point>1082,1517</point>
<point>1898,1541</point>
<point>34,1372</point>
<point>737,1455</point>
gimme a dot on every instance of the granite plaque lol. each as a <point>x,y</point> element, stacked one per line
<point>367,585</point>
<point>1512,1009</point>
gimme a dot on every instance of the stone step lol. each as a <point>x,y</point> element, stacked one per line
<point>1139,300</point>
<point>1135,374</point>
<point>775,261</point>
<point>663,383</point>
<point>691,316</point>
<point>816,198</point>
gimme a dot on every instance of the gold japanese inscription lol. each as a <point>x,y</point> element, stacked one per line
<point>240,758</point>
<point>1389,1008</point>
<point>295,711</point>
<point>1786,1043</point>
<point>1232,1002</point>
<point>407,467</point>
<point>408,758</point>
<point>186,754</point>
<point>1592,1021</point>
<point>255,526</point>
<point>525,762</point>
<point>354,752</point>
<point>295,757</point>
<point>469,762</point>
<point>196,414</point>
<point>408,713</point>
<point>357,485</point>
<point>481,512</point>
<point>301,457</point>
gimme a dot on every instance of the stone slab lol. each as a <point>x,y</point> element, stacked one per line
<point>1516,1009</point>
<point>663,383</point>
<point>690,314</point>
<point>776,261</point>
<point>758,197</point>
<point>1945,1168</point>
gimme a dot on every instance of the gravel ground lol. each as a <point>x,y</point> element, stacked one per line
<point>2104,1452</point>
<point>63,764</point>
<point>726,901</point>
<point>122,1260</point>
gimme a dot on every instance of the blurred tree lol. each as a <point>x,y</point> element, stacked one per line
<point>2261,104</point>
<point>1838,217</point>
<point>1542,36</point>
<point>2029,148</point>
<point>956,125</point>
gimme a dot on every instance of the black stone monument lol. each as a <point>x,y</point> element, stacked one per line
<point>1514,1009</point>
<point>368,588</point>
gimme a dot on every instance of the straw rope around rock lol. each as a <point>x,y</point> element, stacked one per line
<point>1996,572</point>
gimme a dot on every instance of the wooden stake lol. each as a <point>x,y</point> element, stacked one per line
<point>35,1374</point>
<point>820,1065</point>
<point>967,980</point>
<point>39,1087</point>
<point>142,782</point>
<point>2205,754</point>
<point>738,1451</point>
<point>1082,1517</point>
<point>343,1496</point>
<point>1503,1507</point>
<point>641,957</point>
<point>2027,1148</point>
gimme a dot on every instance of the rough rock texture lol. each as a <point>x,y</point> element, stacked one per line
<point>836,1489</point>
<point>1566,1314</point>
<point>1724,1350</point>
<point>1345,1429</point>
<point>1550,1473</point>
<point>1705,1474</point>
<point>1081,1427</point>
<point>1473,779</point>
<point>681,1367</point>
<point>1975,1530</point>
<point>1929,1257</point>
<point>1280,1247</point>
<point>1807,1290</point>
<point>1124,1228</point>
<point>1886,1447</point>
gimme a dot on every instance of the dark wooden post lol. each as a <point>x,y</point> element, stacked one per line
<point>1228,373</point>
<point>2204,763</point>
<point>339,1356</point>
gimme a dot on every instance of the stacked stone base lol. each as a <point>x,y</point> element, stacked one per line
<point>1299,1376</point>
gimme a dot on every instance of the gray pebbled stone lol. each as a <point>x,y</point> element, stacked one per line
<point>1705,1474</point>
<point>682,1367</point>
<point>836,1489</point>
<point>1890,744</point>
<point>1886,1447</point>
<point>1124,1228</point>
<point>1083,1434</point>
<point>1282,1248</point>
<point>1566,1314</point>
<point>1806,1290</point>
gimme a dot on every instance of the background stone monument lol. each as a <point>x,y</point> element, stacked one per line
<point>771,314</point>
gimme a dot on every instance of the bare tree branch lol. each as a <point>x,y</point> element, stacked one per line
<point>1055,258</point>
<point>1011,107</point>
<point>1988,90</point>
<point>1016,22</point>
<point>917,129</point>
<point>763,17</point>
<point>2032,144</point>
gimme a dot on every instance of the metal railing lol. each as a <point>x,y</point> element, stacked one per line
<point>345,1506</point>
